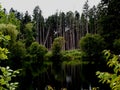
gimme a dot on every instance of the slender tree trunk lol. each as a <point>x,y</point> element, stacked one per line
<point>40,33</point>
<point>47,36</point>
<point>87,26</point>
<point>73,37</point>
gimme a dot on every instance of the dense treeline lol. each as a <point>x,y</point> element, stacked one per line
<point>58,50</point>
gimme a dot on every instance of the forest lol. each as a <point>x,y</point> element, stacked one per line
<point>66,51</point>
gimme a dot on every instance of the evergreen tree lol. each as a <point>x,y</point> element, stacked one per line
<point>26,18</point>
<point>92,47</point>
<point>110,21</point>
<point>86,12</point>
<point>93,20</point>
<point>39,24</point>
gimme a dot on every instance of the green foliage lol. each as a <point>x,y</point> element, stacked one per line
<point>49,87</point>
<point>33,66</point>
<point>72,63</point>
<point>116,46</point>
<point>92,44</point>
<point>18,49</point>
<point>6,77</point>
<point>29,27</point>
<point>3,16</point>
<point>28,34</point>
<point>37,49</point>
<point>93,19</point>
<point>111,78</point>
<point>76,54</point>
<point>56,58</point>
<point>110,22</point>
<point>91,47</point>
<point>3,52</point>
<point>4,39</point>
<point>9,18</point>
<point>13,20</point>
<point>47,57</point>
<point>35,58</point>
<point>17,55</point>
<point>57,45</point>
<point>56,52</point>
<point>72,57</point>
<point>6,73</point>
<point>26,18</point>
<point>9,29</point>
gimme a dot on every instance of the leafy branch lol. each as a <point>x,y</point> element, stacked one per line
<point>111,78</point>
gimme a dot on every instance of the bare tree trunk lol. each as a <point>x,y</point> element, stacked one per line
<point>43,36</point>
<point>47,36</point>
<point>40,34</point>
<point>87,26</point>
<point>73,36</point>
